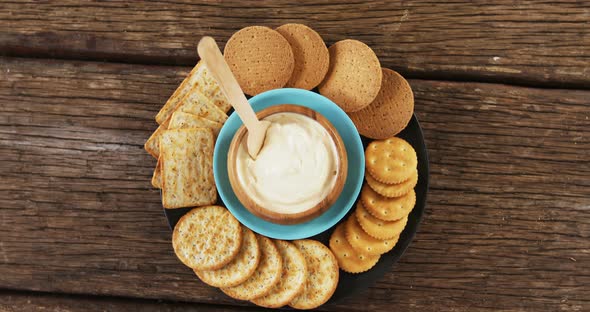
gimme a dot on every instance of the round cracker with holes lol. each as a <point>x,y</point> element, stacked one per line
<point>292,281</point>
<point>391,161</point>
<point>260,58</point>
<point>391,110</point>
<point>354,77</point>
<point>365,243</point>
<point>376,227</point>
<point>386,208</point>
<point>322,277</point>
<point>264,278</point>
<point>207,238</point>
<point>310,53</point>
<point>240,268</point>
<point>348,259</point>
<point>392,190</point>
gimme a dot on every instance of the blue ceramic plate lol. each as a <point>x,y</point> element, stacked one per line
<point>354,151</point>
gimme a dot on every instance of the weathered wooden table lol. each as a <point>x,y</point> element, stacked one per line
<point>502,91</point>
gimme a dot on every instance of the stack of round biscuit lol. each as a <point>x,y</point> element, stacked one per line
<point>270,273</point>
<point>382,212</point>
<point>379,101</point>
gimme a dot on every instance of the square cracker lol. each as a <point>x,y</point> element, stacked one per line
<point>186,157</point>
<point>197,103</point>
<point>182,120</point>
<point>201,80</point>
<point>152,144</point>
<point>180,92</point>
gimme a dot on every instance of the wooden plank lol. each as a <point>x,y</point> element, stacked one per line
<point>506,225</point>
<point>531,42</point>
<point>13,301</point>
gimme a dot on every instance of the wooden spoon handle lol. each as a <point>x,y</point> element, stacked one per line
<point>211,55</point>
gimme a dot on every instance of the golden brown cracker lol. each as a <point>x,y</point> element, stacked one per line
<point>180,92</point>
<point>187,168</point>
<point>157,176</point>
<point>240,268</point>
<point>264,278</point>
<point>292,279</point>
<point>391,161</point>
<point>390,112</point>
<point>387,208</point>
<point>310,53</point>
<point>376,227</point>
<point>182,120</point>
<point>260,59</point>
<point>354,76</point>
<point>199,80</point>
<point>349,260</point>
<point>365,243</point>
<point>392,190</point>
<point>207,238</point>
<point>322,276</point>
<point>197,103</point>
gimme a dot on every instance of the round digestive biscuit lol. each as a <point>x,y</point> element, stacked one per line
<point>391,110</point>
<point>240,268</point>
<point>292,281</point>
<point>365,243</point>
<point>207,238</point>
<point>260,59</point>
<point>264,278</point>
<point>348,259</point>
<point>390,161</point>
<point>376,227</point>
<point>310,53</point>
<point>322,277</point>
<point>392,190</point>
<point>386,208</point>
<point>354,77</point>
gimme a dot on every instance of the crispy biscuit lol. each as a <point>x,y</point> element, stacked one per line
<point>264,278</point>
<point>348,259</point>
<point>197,103</point>
<point>387,208</point>
<point>260,59</point>
<point>182,120</point>
<point>322,277</point>
<point>157,176</point>
<point>354,77</point>
<point>311,55</point>
<point>391,161</point>
<point>392,190</point>
<point>199,79</point>
<point>365,243</point>
<point>240,268</point>
<point>207,238</point>
<point>187,168</point>
<point>376,227</point>
<point>390,112</point>
<point>152,145</point>
<point>292,279</point>
<point>180,92</point>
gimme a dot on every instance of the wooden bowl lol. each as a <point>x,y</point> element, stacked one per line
<point>311,212</point>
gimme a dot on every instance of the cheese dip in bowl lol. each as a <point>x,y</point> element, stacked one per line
<point>299,172</point>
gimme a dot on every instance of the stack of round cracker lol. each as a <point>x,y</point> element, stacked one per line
<point>381,215</point>
<point>248,266</point>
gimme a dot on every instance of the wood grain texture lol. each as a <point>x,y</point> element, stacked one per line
<point>13,301</point>
<point>506,226</point>
<point>528,42</point>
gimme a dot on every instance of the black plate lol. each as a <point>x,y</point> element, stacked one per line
<point>351,284</point>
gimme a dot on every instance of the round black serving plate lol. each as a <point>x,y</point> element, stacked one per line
<point>351,284</point>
